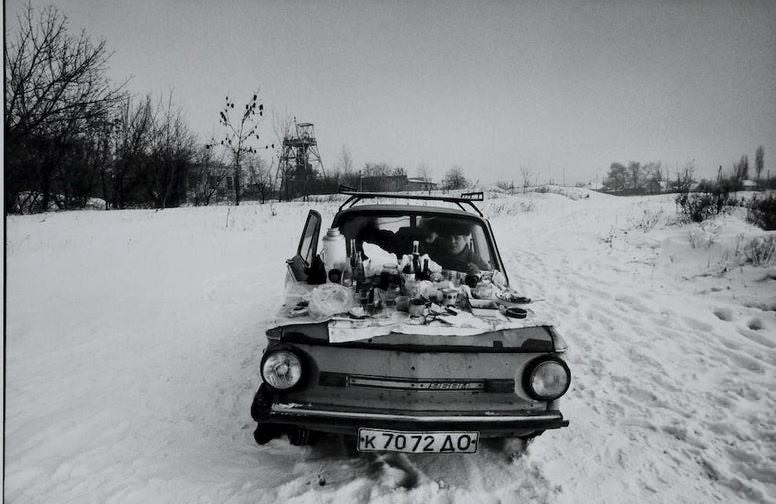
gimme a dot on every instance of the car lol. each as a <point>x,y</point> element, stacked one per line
<point>436,381</point>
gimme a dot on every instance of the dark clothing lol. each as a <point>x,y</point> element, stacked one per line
<point>457,262</point>
<point>400,243</point>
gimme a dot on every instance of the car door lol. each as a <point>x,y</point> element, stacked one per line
<point>308,247</point>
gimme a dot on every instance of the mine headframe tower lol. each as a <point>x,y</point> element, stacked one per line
<point>300,162</point>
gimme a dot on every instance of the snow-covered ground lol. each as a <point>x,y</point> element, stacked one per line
<point>133,341</point>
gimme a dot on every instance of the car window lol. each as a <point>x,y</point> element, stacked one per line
<point>454,242</point>
<point>393,224</point>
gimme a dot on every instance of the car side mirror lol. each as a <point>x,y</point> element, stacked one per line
<point>308,242</point>
<point>307,249</point>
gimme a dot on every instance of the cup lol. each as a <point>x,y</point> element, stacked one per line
<point>450,297</point>
<point>402,303</point>
<point>416,308</point>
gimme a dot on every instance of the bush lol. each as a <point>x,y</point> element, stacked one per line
<point>698,207</point>
<point>762,212</point>
<point>721,186</point>
<point>649,219</point>
<point>505,186</point>
<point>704,237</point>
<point>761,251</point>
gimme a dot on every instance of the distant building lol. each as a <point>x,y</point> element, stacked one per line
<point>394,183</point>
<point>419,184</point>
<point>382,183</point>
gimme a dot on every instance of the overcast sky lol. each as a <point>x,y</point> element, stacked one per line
<point>489,86</point>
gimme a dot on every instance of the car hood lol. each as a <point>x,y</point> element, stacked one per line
<point>527,339</point>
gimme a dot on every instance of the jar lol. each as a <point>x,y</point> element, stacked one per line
<point>389,275</point>
<point>391,294</point>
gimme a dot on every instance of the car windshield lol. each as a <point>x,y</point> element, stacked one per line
<point>454,242</point>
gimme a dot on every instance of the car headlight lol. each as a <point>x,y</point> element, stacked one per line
<point>547,378</point>
<point>281,369</point>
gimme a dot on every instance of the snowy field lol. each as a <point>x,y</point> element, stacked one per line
<point>133,341</point>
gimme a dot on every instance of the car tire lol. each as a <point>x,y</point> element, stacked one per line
<point>262,403</point>
<point>531,437</point>
<point>265,433</point>
<point>299,436</point>
<point>494,443</point>
<point>350,445</point>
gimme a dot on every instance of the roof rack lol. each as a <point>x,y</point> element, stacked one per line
<point>465,199</point>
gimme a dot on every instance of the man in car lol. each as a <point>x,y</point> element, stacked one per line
<point>446,241</point>
<point>448,245</point>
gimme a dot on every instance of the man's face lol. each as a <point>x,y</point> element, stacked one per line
<point>454,243</point>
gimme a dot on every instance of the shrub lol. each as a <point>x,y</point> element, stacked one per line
<point>648,220</point>
<point>722,185</point>
<point>698,207</point>
<point>762,212</point>
<point>761,251</point>
<point>704,237</point>
<point>505,186</point>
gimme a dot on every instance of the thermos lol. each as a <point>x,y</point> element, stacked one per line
<point>334,252</point>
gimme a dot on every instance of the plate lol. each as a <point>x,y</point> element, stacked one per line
<point>378,440</point>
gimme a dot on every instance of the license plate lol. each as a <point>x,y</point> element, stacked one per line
<point>370,440</point>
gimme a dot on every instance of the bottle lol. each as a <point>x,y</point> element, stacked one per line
<point>359,274</point>
<point>416,260</point>
<point>407,274</point>
<point>426,273</point>
<point>347,275</point>
<point>349,270</point>
<point>352,256</point>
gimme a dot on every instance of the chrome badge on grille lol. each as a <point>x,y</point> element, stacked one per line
<point>412,384</point>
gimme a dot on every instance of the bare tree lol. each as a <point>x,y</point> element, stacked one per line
<point>239,135</point>
<point>617,178</point>
<point>759,158</point>
<point>655,180</point>
<point>345,161</point>
<point>259,176</point>
<point>281,126</point>
<point>134,127</point>
<point>455,179</point>
<point>635,176</point>
<point>55,87</point>
<point>526,175</point>
<point>742,168</point>
<point>209,175</point>
<point>685,178</point>
<point>423,172</point>
<point>171,155</point>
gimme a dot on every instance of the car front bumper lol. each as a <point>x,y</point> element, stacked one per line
<point>345,420</point>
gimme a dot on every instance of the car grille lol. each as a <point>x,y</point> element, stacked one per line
<point>420,384</point>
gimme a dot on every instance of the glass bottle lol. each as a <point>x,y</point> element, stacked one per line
<point>359,274</point>
<point>416,260</point>
<point>347,275</point>
<point>349,270</point>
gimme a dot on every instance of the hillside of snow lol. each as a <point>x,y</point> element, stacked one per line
<point>133,342</point>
